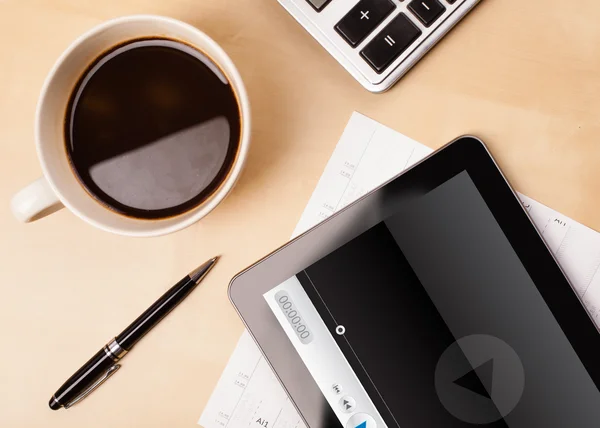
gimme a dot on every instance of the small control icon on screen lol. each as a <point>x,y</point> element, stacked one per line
<point>348,404</point>
<point>337,388</point>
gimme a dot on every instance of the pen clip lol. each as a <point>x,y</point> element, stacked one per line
<point>108,373</point>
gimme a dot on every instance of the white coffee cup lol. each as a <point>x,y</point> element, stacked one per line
<point>59,187</point>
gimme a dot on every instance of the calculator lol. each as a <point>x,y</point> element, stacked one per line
<point>378,41</point>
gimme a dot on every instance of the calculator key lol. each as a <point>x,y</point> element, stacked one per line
<point>363,19</point>
<point>318,4</point>
<point>388,45</point>
<point>427,10</point>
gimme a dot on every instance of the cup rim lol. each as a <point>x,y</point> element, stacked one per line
<point>204,208</point>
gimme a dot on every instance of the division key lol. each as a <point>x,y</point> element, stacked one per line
<point>318,4</point>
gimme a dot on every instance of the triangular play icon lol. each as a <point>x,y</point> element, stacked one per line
<point>479,380</point>
<point>362,425</point>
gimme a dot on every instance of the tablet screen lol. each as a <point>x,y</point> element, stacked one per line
<point>429,319</point>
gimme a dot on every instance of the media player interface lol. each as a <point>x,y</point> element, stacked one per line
<point>429,319</point>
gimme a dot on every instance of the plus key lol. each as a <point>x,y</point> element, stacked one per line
<point>363,19</point>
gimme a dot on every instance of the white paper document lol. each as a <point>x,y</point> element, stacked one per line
<point>368,154</point>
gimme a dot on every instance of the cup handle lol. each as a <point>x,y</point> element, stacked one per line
<point>35,201</point>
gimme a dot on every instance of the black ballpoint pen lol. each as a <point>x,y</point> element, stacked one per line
<point>104,364</point>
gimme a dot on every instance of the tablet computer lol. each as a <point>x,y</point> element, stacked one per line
<point>432,301</point>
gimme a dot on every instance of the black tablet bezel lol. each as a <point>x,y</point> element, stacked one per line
<point>463,154</point>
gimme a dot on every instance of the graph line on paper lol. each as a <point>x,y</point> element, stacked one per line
<point>248,394</point>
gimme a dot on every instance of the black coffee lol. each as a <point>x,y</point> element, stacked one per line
<point>152,128</point>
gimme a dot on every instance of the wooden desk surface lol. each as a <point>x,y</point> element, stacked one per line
<point>524,76</point>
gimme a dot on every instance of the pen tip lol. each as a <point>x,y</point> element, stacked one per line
<point>199,273</point>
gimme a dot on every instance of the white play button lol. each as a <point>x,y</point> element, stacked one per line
<point>479,379</point>
<point>361,420</point>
